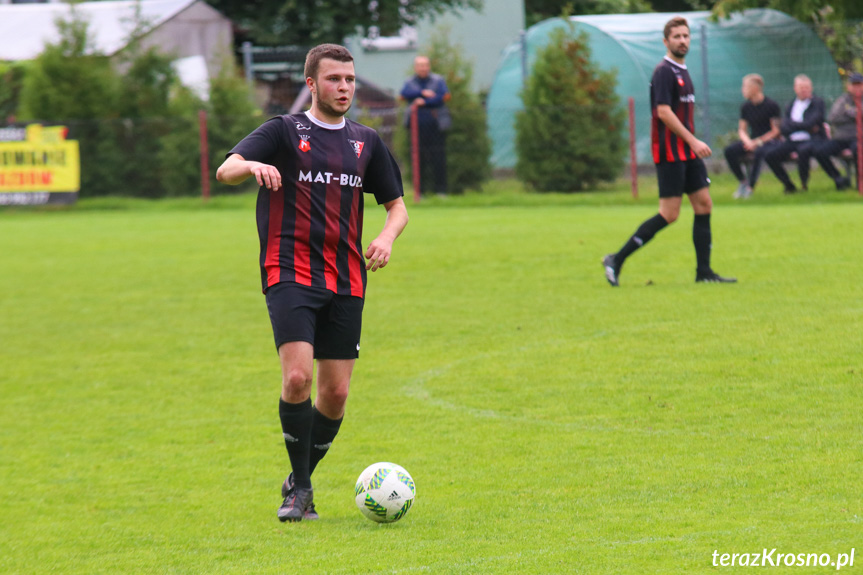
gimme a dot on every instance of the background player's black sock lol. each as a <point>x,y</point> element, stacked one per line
<point>642,235</point>
<point>297,428</point>
<point>324,431</point>
<point>702,238</point>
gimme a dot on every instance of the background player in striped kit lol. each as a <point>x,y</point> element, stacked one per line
<point>678,155</point>
<point>313,169</point>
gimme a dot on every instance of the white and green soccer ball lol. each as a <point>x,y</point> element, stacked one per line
<point>385,492</point>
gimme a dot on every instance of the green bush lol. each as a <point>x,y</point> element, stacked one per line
<point>232,116</point>
<point>570,135</point>
<point>145,106</point>
<point>180,152</point>
<point>468,146</point>
<point>11,82</point>
<point>70,84</point>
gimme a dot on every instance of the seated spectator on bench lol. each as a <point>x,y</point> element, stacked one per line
<point>843,123</point>
<point>802,126</point>
<point>759,132</point>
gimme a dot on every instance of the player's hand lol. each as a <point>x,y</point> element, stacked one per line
<point>701,149</point>
<point>266,175</point>
<point>418,102</point>
<point>428,93</point>
<point>378,253</point>
<point>750,145</point>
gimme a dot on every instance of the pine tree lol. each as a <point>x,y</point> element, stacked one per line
<point>569,136</point>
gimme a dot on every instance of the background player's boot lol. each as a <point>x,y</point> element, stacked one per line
<point>287,486</point>
<point>712,277</point>
<point>612,270</point>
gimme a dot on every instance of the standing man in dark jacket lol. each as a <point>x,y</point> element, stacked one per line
<point>428,92</point>
<point>803,127</point>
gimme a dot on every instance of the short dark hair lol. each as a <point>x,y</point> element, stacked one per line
<point>674,23</point>
<point>318,53</point>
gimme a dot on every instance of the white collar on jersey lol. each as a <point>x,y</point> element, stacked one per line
<point>324,125</point>
<point>672,61</point>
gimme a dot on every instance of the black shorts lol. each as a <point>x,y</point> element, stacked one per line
<point>330,322</point>
<point>678,178</point>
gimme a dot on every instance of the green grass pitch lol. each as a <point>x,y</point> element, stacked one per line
<point>552,424</point>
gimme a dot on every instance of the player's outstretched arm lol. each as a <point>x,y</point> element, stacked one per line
<point>381,248</point>
<point>236,170</point>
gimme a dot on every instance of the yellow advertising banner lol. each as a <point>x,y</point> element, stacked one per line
<point>43,162</point>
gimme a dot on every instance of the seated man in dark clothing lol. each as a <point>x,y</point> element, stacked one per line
<point>843,121</point>
<point>802,126</point>
<point>758,130</point>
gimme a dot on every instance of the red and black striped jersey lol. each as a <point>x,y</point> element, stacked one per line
<point>310,229</point>
<point>672,86</point>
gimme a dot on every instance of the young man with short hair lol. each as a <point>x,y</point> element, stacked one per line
<point>313,169</point>
<point>678,155</point>
<point>758,129</point>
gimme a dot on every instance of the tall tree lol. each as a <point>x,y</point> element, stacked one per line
<point>803,10</point>
<point>306,22</point>
<point>570,134</point>
<point>837,23</point>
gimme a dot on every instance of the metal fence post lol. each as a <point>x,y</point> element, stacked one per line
<point>633,154</point>
<point>248,64</point>
<point>523,40</point>
<point>858,103</point>
<point>415,152</point>
<point>706,84</point>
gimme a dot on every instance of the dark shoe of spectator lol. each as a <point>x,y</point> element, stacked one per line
<point>842,183</point>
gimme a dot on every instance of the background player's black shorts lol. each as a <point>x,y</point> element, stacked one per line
<point>330,322</point>
<point>678,178</point>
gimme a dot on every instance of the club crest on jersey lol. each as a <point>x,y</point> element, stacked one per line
<point>680,81</point>
<point>304,143</point>
<point>357,146</point>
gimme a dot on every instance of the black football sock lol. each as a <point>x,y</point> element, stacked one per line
<point>324,431</point>
<point>702,238</point>
<point>297,429</point>
<point>642,235</point>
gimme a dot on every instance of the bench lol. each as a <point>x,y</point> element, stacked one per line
<point>847,158</point>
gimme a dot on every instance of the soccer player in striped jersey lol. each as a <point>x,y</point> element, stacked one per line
<point>678,156</point>
<point>313,169</point>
